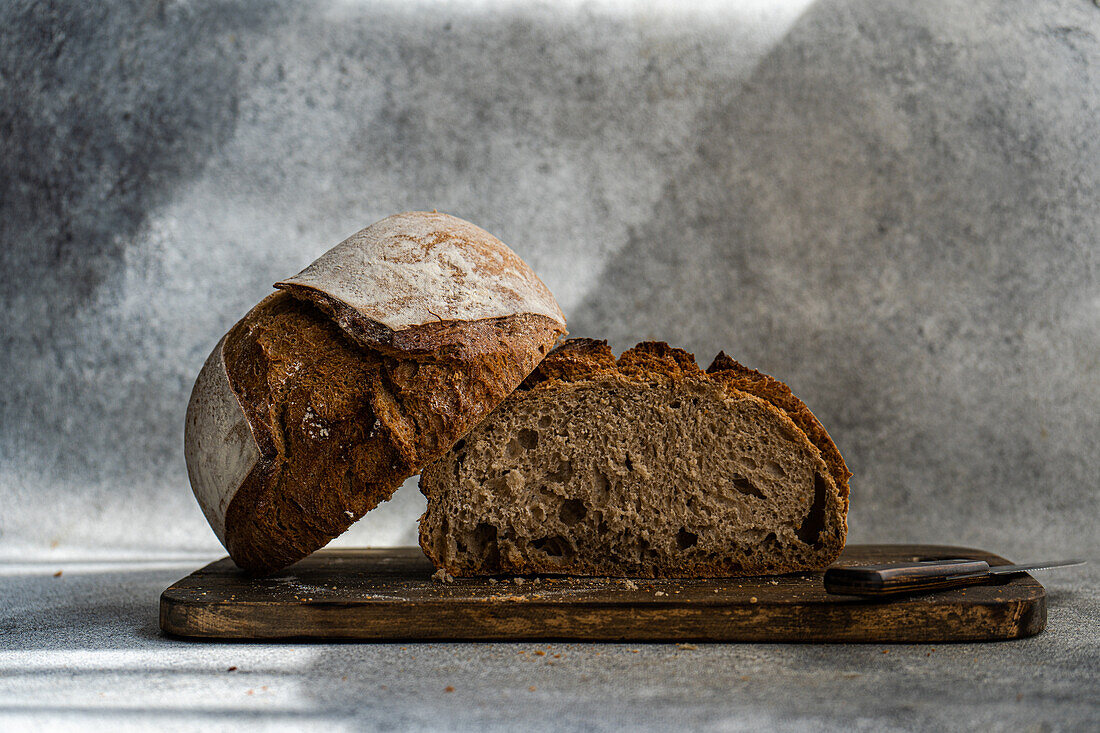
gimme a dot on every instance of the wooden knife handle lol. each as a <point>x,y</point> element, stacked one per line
<point>908,577</point>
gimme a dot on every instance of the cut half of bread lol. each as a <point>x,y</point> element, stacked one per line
<point>646,466</point>
<point>362,368</point>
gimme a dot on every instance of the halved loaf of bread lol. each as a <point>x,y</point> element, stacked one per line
<point>370,363</point>
<point>644,467</point>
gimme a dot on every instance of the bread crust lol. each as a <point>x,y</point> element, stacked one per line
<point>399,392</point>
<point>586,362</point>
<point>420,268</point>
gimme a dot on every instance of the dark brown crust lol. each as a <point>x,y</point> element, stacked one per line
<point>399,410</point>
<point>578,360</point>
<point>575,359</point>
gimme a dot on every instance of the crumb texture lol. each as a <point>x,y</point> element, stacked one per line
<point>645,467</point>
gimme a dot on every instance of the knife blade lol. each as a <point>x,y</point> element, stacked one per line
<point>915,577</point>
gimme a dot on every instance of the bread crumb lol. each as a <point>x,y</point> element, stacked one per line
<point>557,656</point>
<point>519,581</point>
<point>531,688</point>
<point>885,651</point>
<point>659,593</point>
<point>630,584</point>
<point>57,574</point>
<point>250,692</point>
<point>633,651</point>
<point>752,599</point>
<point>442,576</point>
<point>689,647</point>
<point>232,669</point>
<point>448,688</point>
<point>540,653</point>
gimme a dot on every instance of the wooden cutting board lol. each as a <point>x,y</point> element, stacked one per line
<point>388,594</point>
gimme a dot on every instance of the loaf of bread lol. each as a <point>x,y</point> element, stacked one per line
<point>367,365</point>
<point>645,467</point>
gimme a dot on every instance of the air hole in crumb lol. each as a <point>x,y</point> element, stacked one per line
<point>572,511</point>
<point>556,546</point>
<point>602,487</point>
<point>459,445</point>
<point>602,527</point>
<point>675,405</point>
<point>563,474</point>
<point>769,538</point>
<point>746,487</point>
<point>685,539</point>
<point>544,421</point>
<point>485,541</point>
<point>528,439</point>
<point>810,530</point>
<point>775,469</point>
<point>629,463</point>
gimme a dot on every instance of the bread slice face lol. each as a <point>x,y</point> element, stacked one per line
<point>643,467</point>
<point>313,409</point>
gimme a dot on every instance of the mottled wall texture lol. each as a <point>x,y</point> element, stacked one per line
<point>893,206</point>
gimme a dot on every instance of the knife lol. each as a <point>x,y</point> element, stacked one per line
<point>916,577</point>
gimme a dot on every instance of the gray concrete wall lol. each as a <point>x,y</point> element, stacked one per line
<point>893,206</point>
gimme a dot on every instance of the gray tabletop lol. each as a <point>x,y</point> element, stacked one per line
<point>84,650</point>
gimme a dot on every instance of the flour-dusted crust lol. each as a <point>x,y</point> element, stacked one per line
<point>354,376</point>
<point>217,441</point>
<point>420,268</point>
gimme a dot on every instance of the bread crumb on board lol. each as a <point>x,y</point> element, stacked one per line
<point>442,576</point>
